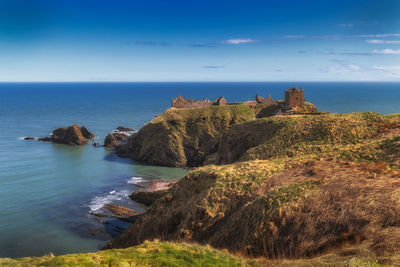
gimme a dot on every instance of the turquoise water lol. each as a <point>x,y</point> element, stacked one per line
<point>47,190</point>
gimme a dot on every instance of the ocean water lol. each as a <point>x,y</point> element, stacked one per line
<point>47,190</point>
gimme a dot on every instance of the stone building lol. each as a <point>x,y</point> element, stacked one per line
<point>294,98</point>
<point>180,102</point>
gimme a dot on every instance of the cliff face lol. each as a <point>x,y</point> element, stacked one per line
<point>184,137</point>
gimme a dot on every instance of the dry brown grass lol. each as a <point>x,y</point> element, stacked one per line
<point>320,207</point>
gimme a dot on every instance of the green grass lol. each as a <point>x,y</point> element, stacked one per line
<point>268,137</point>
<point>148,254</point>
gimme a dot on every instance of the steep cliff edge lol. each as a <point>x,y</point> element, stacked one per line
<point>184,137</point>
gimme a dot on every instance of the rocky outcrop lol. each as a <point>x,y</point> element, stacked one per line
<point>120,210</point>
<point>124,129</point>
<point>110,141</point>
<point>86,133</point>
<point>71,135</point>
<point>118,136</point>
<point>29,138</point>
<point>183,137</point>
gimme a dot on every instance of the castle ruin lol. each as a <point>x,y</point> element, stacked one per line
<point>180,102</point>
<point>262,100</point>
<point>294,98</point>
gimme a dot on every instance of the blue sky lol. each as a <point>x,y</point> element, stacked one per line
<point>207,40</point>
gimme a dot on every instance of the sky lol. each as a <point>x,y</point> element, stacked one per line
<point>204,40</point>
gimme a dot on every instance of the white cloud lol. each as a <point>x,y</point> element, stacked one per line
<point>386,52</point>
<point>387,68</point>
<point>294,36</point>
<point>341,36</point>
<point>239,41</point>
<point>346,25</point>
<point>375,41</point>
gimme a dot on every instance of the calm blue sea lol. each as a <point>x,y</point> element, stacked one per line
<point>47,190</point>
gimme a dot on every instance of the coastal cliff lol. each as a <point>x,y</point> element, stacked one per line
<point>184,137</point>
<point>295,186</point>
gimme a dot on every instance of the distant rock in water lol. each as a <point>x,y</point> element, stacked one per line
<point>44,139</point>
<point>118,136</point>
<point>96,144</point>
<point>125,129</point>
<point>29,138</point>
<point>71,135</point>
<point>86,133</point>
<point>110,141</point>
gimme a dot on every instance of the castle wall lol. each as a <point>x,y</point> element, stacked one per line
<point>294,98</point>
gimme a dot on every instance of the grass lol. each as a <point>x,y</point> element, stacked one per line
<point>267,137</point>
<point>323,184</point>
<point>148,254</point>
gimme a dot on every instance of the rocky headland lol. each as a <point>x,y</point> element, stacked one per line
<point>294,184</point>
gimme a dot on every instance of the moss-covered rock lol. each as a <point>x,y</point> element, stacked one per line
<point>183,137</point>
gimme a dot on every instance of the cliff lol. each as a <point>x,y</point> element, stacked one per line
<point>183,137</point>
<point>304,186</point>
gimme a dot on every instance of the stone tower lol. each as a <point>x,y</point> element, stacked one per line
<point>294,98</point>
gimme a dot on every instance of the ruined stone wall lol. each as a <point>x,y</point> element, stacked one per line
<point>180,102</point>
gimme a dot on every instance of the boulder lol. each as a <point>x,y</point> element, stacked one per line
<point>86,133</point>
<point>29,138</point>
<point>71,135</point>
<point>110,141</point>
<point>96,144</point>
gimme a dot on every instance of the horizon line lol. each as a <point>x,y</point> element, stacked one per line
<point>272,81</point>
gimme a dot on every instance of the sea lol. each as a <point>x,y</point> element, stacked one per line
<point>48,191</point>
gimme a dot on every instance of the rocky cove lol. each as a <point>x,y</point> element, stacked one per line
<point>268,180</point>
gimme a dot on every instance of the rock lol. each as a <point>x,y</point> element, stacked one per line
<point>110,141</point>
<point>29,138</point>
<point>100,214</point>
<point>147,198</point>
<point>96,144</point>
<point>120,137</point>
<point>44,139</point>
<point>71,135</point>
<point>86,133</point>
<point>121,210</point>
<point>124,129</point>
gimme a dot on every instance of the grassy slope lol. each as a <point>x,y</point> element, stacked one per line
<point>268,137</point>
<point>184,137</point>
<point>332,186</point>
<point>147,254</point>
